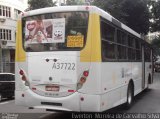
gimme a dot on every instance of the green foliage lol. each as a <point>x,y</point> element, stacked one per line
<point>37,4</point>
<point>155,14</point>
<point>156,46</point>
<point>156,42</point>
<point>74,2</point>
<point>133,13</point>
<point>138,15</point>
<point>114,7</point>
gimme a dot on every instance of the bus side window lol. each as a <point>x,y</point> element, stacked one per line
<point>107,31</point>
<point>147,54</point>
<point>138,49</point>
<point>121,52</point>
<point>131,48</point>
<point>122,42</point>
<point>108,41</point>
<point>108,50</point>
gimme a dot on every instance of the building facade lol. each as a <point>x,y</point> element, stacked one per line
<point>9,10</point>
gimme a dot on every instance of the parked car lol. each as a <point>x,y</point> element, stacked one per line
<point>7,85</point>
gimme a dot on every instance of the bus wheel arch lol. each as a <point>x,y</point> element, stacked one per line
<point>130,94</point>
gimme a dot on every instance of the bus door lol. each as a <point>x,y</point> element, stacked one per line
<point>143,67</point>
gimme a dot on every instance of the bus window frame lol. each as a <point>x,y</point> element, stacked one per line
<point>122,45</point>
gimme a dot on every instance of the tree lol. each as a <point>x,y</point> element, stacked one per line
<point>133,13</point>
<point>36,4</point>
<point>114,7</point>
<point>155,14</point>
<point>137,15</point>
<point>74,2</point>
<point>156,42</point>
<point>156,46</point>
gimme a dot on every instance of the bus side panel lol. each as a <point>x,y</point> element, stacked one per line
<point>113,82</point>
<point>91,103</point>
<point>93,83</point>
<point>91,90</point>
<point>137,76</point>
<point>20,61</point>
<point>19,85</point>
<point>93,47</point>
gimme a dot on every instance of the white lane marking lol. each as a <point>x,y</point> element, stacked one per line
<point>45,115</point>
<point>2,103</point>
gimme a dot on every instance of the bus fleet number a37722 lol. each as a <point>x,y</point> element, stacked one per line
<point>64,66</point>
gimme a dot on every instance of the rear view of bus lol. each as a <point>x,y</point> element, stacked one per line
<point>53,60</point>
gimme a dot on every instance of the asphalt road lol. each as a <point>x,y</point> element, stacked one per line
<point>146,102</point>
<point>8,107</point>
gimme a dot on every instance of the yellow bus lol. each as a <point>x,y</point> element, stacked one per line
<point>78,58</point>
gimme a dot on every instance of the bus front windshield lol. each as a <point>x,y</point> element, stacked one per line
<point>62,31</point>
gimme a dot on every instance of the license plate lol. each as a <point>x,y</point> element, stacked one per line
<point>52,88</point>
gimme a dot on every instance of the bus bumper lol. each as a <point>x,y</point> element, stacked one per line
<point>77,102</point>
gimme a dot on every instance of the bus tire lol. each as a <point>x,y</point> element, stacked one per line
<point>0,97</point>
<point>130,96</point>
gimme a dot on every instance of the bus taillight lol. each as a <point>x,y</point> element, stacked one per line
<point>33,88</point>
<point>86,73</point>
<point>71,91</point>
<point>24,77</point>
<point>82,80</point>
<point>21,72</point>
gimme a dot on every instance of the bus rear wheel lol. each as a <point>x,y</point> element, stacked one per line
<point>130,95</point>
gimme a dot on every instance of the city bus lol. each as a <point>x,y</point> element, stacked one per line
<point>79,58</point>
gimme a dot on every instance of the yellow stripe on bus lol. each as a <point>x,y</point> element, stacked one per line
<point>92,49</point>
<point>20,53</point>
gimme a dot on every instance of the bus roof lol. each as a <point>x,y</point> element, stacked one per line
<point>91,9</point>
